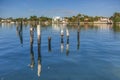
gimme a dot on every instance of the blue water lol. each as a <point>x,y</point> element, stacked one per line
<point>97,57</point>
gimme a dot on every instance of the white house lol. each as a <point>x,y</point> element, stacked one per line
<point>58,19</point>
<point>104,19</point>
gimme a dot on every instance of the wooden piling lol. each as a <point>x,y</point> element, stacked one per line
<point>31,34</point>
<point>49,43</point>
<point>62,43</point>
<point>78,38</point>
<point>31,47</point>
<point>39,34</point>
<point>20,32</point>
<point>39,50</point>
<point>67,34</point>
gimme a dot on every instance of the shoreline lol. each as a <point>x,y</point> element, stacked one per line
<point>70,22</point>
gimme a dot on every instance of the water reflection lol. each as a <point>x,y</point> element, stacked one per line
<point>31,46</point>
<point>116,27</point>
<point>39,60</point>
<point>103,26</point>
<point>7,25</point>
<point>64,27</point>
<point>19,30</point>
<point>56,27</point>
<point>39,48</point>
<point>94,53</point>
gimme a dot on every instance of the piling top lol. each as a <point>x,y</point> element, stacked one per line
<point>67,32</point>
<point>38,25</point>
<point>38,29</point>
<point>62,32</point>
<point>31,28</point>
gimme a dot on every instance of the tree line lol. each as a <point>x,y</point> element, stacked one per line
<point>31,18</point>
<point>80,17</point>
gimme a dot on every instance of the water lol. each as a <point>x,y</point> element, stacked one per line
<point>95,56</point>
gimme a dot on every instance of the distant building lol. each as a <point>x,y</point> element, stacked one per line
<point>64,21</point>
<point>86,20</point>
<point>6,20</point>
<point>58,19</point>
<point>3,20</point>
<point>105,20</point>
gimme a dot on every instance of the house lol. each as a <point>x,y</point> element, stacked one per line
<point>104,20</point>
<point>3,20</point>
<point>86,20</point>
<point>58,19</point>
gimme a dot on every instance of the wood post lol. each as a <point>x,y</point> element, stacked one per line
<point>49,43</point>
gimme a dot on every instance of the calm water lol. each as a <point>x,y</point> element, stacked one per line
<point>94,56</point>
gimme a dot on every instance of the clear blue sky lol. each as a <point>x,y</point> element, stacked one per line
<point>26,8</point>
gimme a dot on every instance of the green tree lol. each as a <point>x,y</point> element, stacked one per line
<point>96,18</point>
<point>18,19</point>
<point>0,19</point>
<point>116,28</point>
<point>43,19</point>
<point>33,18</point>
<point>25,19</point>
<point>91,19</point>
<point>116,17</point>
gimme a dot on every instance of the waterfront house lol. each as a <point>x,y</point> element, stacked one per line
<point>86,20</point>
<point>3,20</point>
<point>58,19</point>
<point>104,20</point>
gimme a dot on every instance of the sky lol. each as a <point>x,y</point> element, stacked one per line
<point>50,8</point>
